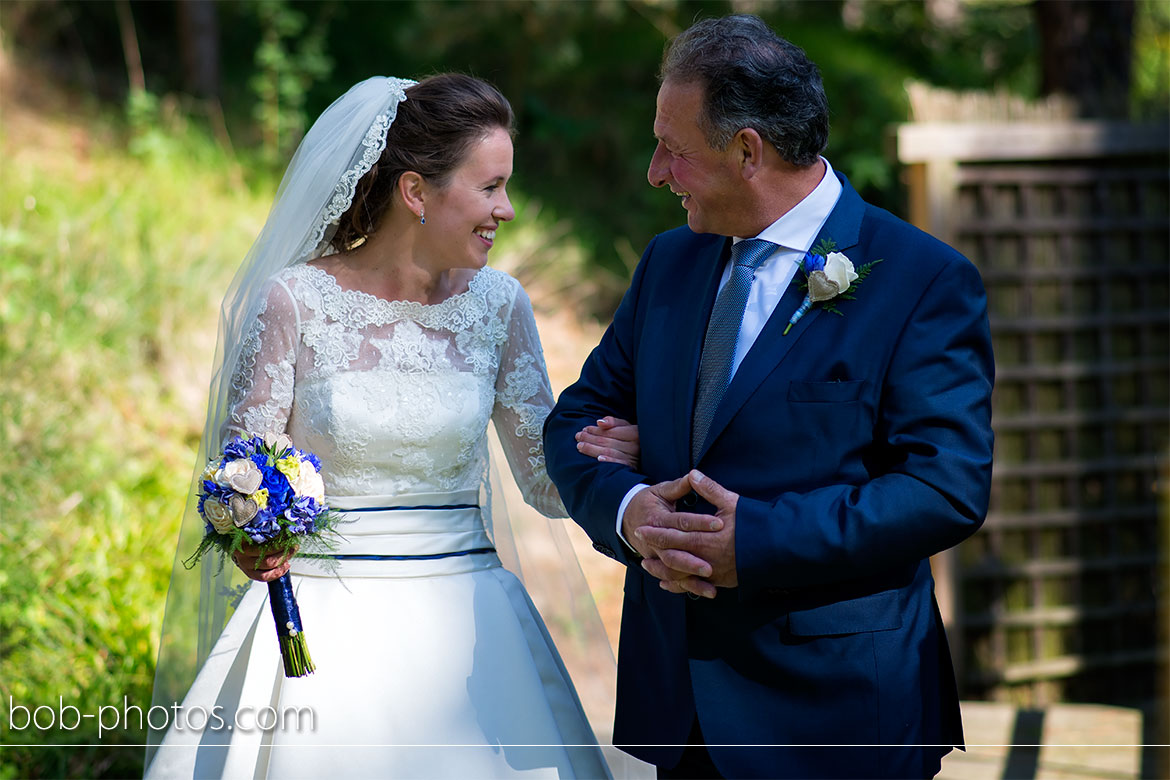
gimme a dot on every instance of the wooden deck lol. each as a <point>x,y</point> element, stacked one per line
<point>1061,742</point>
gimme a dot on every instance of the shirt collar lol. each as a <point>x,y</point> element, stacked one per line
<point>798,227</point>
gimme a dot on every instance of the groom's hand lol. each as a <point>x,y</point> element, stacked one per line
<point>652,507</point>
<point>683,546</point>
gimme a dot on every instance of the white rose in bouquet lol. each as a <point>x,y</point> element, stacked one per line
<point>309,483</point>
<point>218,515</point>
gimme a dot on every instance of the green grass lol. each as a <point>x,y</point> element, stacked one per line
<point>115,248</point>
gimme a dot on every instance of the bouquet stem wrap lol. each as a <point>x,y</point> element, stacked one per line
<point>294,650</point>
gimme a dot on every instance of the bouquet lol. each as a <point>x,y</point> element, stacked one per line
<point>264,491</point>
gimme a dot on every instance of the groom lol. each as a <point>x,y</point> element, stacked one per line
<point>797,471</point>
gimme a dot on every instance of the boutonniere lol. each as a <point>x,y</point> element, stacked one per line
<point>829,275</point>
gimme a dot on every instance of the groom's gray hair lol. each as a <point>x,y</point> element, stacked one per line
<point>752,78</point>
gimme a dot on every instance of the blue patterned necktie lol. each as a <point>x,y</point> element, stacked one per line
<point>722,334</point>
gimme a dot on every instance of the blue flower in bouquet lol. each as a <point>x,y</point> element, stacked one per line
<point>207,526</point>
<point>275,482</point>
<point>301,513</point>
<point>238,448</point>
<point>311,458</point>
<point>263,527</point>
<point>213,489</point>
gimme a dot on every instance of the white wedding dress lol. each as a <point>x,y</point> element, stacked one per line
<point>431,659</point>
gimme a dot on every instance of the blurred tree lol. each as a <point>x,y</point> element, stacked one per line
<point>289,59</point>
<point>130,50</point>
<point>1151,61</point>
<point>581,76</point>
<point>198,34</point>
<point>1086,53</point>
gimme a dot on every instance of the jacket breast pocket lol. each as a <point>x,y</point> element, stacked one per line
<point>827,421</point>
<point>825,392</point>
<point>875,612</point>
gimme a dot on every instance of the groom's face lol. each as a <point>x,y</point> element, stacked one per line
<point>706,179</point>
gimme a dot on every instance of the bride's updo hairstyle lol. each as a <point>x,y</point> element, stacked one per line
<point>436,125</point>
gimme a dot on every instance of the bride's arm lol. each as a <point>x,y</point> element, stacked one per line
<point>523,401</point>
<point>261,395</point>
<point>261,398</point>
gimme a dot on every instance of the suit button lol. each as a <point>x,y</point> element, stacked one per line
<point>604,550</point>
<point>689,501</point>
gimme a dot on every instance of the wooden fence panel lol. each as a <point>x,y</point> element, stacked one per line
<point>1057,597</point>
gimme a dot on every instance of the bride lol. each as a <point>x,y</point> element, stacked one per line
<point>366,326</point>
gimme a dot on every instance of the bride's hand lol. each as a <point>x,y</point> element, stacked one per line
<point>611,440</point>
<point>262,568</point>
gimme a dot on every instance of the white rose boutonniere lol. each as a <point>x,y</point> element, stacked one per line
<point>839,270</point>
<point>828,275</point>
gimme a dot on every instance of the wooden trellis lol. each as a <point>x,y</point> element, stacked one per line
<point>1057,597</point>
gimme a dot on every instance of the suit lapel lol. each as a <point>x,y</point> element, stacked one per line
<point>771,347</point>
<point>844,222</point>
<point>685,335</point>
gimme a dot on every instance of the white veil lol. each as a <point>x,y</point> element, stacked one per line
<point>318,187</point>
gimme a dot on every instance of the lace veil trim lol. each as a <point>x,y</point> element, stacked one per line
<point>374,143</point>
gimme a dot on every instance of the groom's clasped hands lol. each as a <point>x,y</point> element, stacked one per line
<point>687,551</point>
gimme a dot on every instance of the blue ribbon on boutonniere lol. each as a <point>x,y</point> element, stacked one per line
<point>829,275</point>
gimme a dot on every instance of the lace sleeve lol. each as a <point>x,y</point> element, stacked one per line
<point>261,395</point>
<point>523,401</point>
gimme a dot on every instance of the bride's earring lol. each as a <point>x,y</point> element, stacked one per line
<point>422,216</point>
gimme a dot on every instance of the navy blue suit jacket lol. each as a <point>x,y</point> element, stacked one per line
<point>860,445</point>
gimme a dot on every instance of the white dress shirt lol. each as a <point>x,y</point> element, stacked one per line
<point>793,234</point>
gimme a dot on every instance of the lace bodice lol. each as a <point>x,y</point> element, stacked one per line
<point>395,396</point>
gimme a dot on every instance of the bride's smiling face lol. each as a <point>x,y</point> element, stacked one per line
<point>463,216</point>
